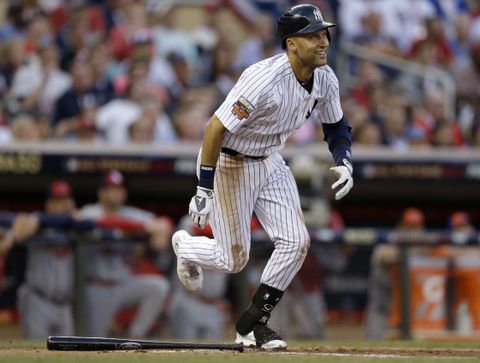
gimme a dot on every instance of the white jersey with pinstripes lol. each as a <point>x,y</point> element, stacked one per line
<point>268,103</point>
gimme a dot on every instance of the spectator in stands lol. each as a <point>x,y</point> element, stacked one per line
<point>395,126</point>
<point>461,42</point>
<point>141,131</point>
<point>45,298</point>
<point>401,20</point>
<point>114,118</point>
<point>222,72</point>
<point>13,56</point>
<point>169,38</point>
<point>158,73</point>
<point>445,135</point>
<point>103,65</point>
<point>467,77</point>
<point>260,45</point>
<point>435,42</point>
<point>191,115</point>
<point>368,134</point>
<point>163,130</point>
<point>152,126</point>
<point>38,31</point>
<point>84,26</point>
<point>37,85</point>
<point>76,103</point>
<point>431,112</point>
<point>123,36</point>
<point>13,24</point>
<point>369,75</point>
<point>358,113</point>
<point>373,36</point>
<point>182,73</point>
<point>24,128</point>
<point>111,284</point>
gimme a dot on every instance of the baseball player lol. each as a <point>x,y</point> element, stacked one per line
<point>241,171</point>
<point>45,298</point>
<point>110,282</point>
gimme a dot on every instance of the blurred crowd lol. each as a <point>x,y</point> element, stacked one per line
<point>404,110</point>
<point>124,71</point>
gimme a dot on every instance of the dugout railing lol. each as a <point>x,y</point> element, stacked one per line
<point>81,234</point>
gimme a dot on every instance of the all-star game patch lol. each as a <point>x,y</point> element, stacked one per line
<point>242,108</point>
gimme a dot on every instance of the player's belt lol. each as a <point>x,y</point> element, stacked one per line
<point>235,153</point>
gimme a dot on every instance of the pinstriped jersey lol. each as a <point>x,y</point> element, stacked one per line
<point>268,103</point>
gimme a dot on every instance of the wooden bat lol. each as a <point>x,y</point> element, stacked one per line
<point>99,343</point>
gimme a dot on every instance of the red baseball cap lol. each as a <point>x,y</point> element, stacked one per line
<point>112,178</point>
<point>413,217</point>
<point>59,189</point>
<point>459,219</point>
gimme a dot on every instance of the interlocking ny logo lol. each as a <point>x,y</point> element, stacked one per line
<point>317,14</point>
<point>200,203</point>
<point>309,113</point>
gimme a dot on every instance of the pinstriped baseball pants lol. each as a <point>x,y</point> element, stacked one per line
<point>244,186</point>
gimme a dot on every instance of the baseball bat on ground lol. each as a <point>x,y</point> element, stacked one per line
<point>100,343</point>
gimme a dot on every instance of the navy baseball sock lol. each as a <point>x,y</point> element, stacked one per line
<point>259,310</point>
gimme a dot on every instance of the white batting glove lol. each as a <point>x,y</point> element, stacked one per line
<point>345,180</point>
<point>200,206</point>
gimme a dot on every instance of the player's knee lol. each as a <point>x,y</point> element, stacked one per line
<point>302,245</point>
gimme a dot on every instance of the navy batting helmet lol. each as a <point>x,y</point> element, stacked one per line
<point>301,19</point>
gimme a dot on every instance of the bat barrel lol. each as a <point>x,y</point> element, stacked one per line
<point>74,343</point>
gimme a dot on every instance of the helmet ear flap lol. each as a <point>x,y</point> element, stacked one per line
<point>328,35</point>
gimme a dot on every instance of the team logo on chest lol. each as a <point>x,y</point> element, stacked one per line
<point>309,113</point>
<point>242,108</point>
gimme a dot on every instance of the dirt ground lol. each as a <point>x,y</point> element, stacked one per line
<point>338,333</point>
<point>403,352</point>
<point>321,351</point>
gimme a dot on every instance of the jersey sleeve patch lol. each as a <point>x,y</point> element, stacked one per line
<point>242,108</point>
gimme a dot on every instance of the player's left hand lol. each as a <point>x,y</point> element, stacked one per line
<point>345,180</point>
<point>200,206</point>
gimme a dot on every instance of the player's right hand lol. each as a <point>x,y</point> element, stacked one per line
<point>200,206</point>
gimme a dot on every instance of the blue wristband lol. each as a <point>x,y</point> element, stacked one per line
<point>341,151</point>
<point>207,175</point>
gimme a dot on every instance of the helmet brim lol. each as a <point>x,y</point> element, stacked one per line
<point>313,28</point>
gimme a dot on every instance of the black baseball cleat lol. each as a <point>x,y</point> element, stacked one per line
<point>262,337</point>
